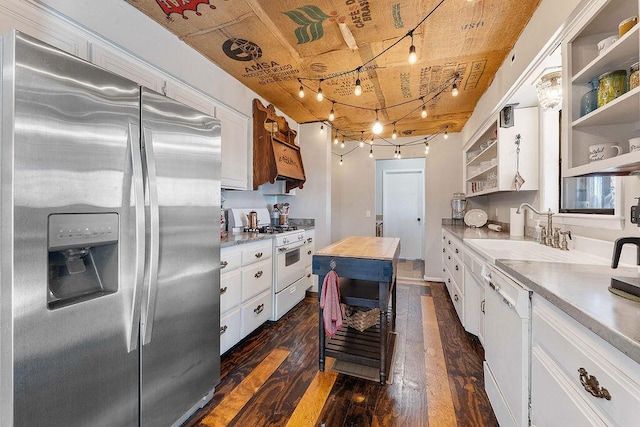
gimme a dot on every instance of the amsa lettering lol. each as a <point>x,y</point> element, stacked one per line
<point>260,66</point>
<point>359,12</point>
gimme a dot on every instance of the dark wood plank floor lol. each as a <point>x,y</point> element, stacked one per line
<point>265,377</point>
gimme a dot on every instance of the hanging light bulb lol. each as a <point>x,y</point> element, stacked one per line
<point>361,139</point>
<point>413,58</point>
<point>446,135</point>
<point>361,144</point>
<point>377,126</point>
<point>335,139</point>
<point>371,152</point>
<point>395,152</point>
<point>319,95</point>
<point>357,91</point>
<point>301,91</point>
<point>399,153</point>
<point>426,148</point>
<point>340,160</point>
<point>454,90</point>
<point>332,114</point>
<point>342,143</point>
<point>321,129</point>
<point>394,135</point>
<point>423,114</point>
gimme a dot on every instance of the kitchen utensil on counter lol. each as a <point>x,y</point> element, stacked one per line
<point>612,85</point>
<point>603,151</point>
<point>458,205</point>
<point>475,218</point>
<point>589,101</point>
<point>626,25</point>
<point>252,220</point>
<point>627,287</point>
<point>494,227</point>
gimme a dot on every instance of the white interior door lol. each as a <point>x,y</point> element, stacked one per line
<point>403,210</point>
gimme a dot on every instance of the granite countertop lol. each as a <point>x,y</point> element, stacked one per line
<point>579,290</point>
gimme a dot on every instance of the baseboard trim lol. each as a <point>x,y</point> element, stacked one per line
<point>433,279</point>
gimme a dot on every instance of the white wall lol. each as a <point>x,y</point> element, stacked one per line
<point>314,199</point>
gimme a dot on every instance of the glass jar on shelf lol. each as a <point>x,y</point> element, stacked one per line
<point>589,101</point>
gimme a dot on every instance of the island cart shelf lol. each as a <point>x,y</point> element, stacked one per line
<point>367,270</point>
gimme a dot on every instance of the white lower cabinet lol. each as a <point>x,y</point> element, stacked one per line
<point>245,290</point>
<point>255,312</point>
<point>453,270</point>
<point>230,332</point>
<point>578,378</point>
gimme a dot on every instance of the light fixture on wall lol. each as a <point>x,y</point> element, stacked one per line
<point>549,89</point>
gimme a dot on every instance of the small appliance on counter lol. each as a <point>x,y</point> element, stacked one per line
<point>626,287</point>
<point>458,205</point>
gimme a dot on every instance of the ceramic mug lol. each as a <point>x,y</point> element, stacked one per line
<point>605,43</point>
<point>634,144</point>
<point>603,151</point>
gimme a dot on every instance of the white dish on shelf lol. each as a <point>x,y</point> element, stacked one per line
<point>475,218</point>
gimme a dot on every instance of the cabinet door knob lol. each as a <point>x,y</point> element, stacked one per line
<point>223,290</point>
<point>455,297</point>
<point>443,250</point>
<point>258,309</point>
<point>258,255</point>
<point>309,253</point>
<point>223,329</point>
<point>258,274</point>
<point>457,250</point>
<point>457,267</point>
<point>592,386</point>
<point>223,264</point>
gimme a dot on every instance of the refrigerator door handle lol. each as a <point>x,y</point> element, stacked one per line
<point>138,193</point>
<point>149,306</point>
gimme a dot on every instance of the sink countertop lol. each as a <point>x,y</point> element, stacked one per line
<point>579,290</point>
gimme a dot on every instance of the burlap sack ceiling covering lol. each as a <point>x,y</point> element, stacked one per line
<point>268,45</point>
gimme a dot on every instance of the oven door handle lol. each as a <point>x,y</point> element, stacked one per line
<point>290,247</point>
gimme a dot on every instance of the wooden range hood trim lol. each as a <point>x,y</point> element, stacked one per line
<point>275,154</point>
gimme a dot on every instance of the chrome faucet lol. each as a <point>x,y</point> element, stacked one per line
<point>547,239</point>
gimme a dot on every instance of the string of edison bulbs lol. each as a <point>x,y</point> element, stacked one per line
<point>397,153</point>
<point>377,126</point>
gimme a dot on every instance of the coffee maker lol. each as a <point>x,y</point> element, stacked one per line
<point>458,205</point>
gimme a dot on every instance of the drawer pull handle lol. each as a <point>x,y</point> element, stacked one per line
<point>449,256</point>
<point>449,242</point>
<point>482,306</point>
<point>456,267</point>
<point>456,250</point>
<point>223,329</point>
<point>494,286</point>
<point>591,384</point>
<point>309,275</point>
<point>448,280</point>
<point>258,309</point>
<point>258,274</point>
<point>442,250</point>
<point>258,255</point>
<point>309,253</point>
<point>455,297</point>
<point>223,290</point>
<point>223,264</point>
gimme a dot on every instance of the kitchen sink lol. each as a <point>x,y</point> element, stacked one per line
<point>493,249</point>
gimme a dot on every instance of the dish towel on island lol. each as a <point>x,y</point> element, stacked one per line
<point>330,303</point>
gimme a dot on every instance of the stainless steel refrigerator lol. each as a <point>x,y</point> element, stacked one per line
<point>109,272</point>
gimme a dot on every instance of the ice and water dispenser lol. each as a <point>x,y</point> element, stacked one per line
<point>83,257</point>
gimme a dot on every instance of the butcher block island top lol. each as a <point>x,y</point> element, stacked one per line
<point>381,248</point>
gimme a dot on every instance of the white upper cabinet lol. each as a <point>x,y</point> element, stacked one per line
<point>190,97</point>
<point>616,121</point>
<point>122,64</point>
<point>235,148</point>
<point>492,160</point>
